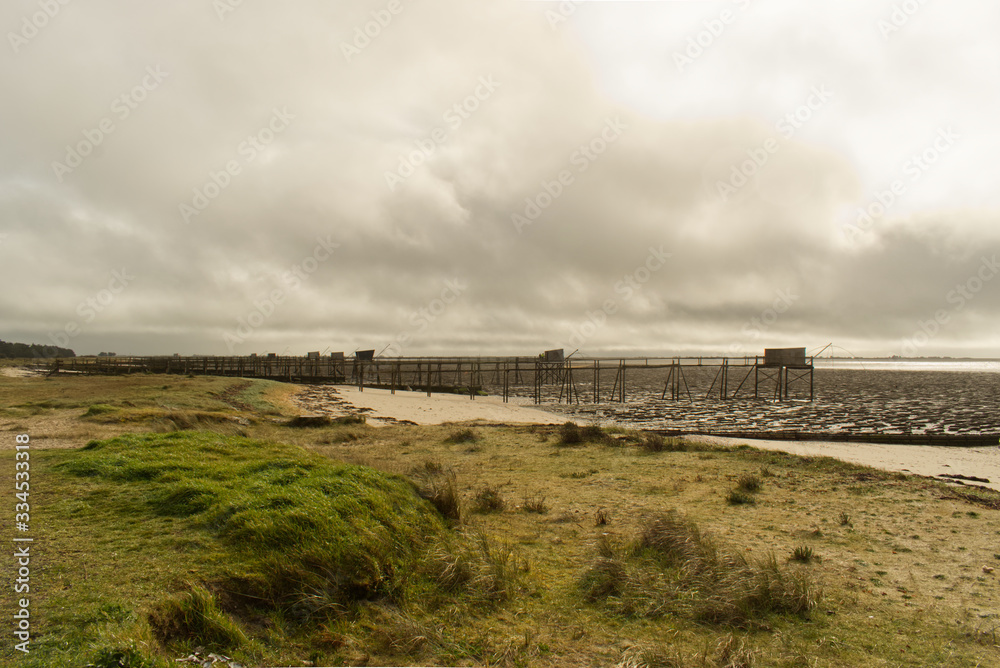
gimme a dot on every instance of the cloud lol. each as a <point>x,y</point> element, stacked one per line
<point>207,134</point>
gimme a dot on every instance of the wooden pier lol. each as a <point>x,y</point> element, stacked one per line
<point>547,377</point>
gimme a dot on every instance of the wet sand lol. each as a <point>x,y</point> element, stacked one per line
<point>847,401</point>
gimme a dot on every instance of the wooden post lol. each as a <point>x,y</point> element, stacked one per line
<point>597,381</point>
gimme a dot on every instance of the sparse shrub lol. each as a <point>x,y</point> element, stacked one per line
<point>593,433</point>
<point>803,553</point>
<point>653,442</point>
<point>602,517</point>
<point>749,483</point>
<point>534,504</point>
<point>677,541</point>
<point>845,520</point>
<point>462,436</point>
<point>572,434</point>
<point>737,497</point>
<point>671,567</point>
<point>569,434</point>
<point>489,500</point>
<point>433,467</point>
<point>766,472</point>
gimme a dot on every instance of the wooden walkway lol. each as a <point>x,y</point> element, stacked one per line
<point>543,378</point>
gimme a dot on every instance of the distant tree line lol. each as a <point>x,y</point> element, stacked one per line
<point>22,350</point>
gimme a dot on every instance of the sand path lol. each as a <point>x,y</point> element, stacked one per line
<point>926,460</point>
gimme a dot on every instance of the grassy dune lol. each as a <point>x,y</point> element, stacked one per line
<point>344,544</point>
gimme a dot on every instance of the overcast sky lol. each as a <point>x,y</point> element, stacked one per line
<point>501,177</point>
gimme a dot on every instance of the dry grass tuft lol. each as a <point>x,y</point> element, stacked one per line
<point>443,494</point>
<point>671,567</point>
<point>489,499</point>
<point>655,443</point>
<point>534,503</point>
<point>737,497</point>
<point>462,436</point>
<point>735,653</point>
<point>803,553</point>
<point>749,483</point>
<point>483,569</point>
<point>572,434</point>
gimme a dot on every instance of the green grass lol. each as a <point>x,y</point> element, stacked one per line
<point>271,530</point>
<point>303,517</point>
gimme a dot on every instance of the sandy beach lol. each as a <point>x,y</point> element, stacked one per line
<point>383,407</point>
